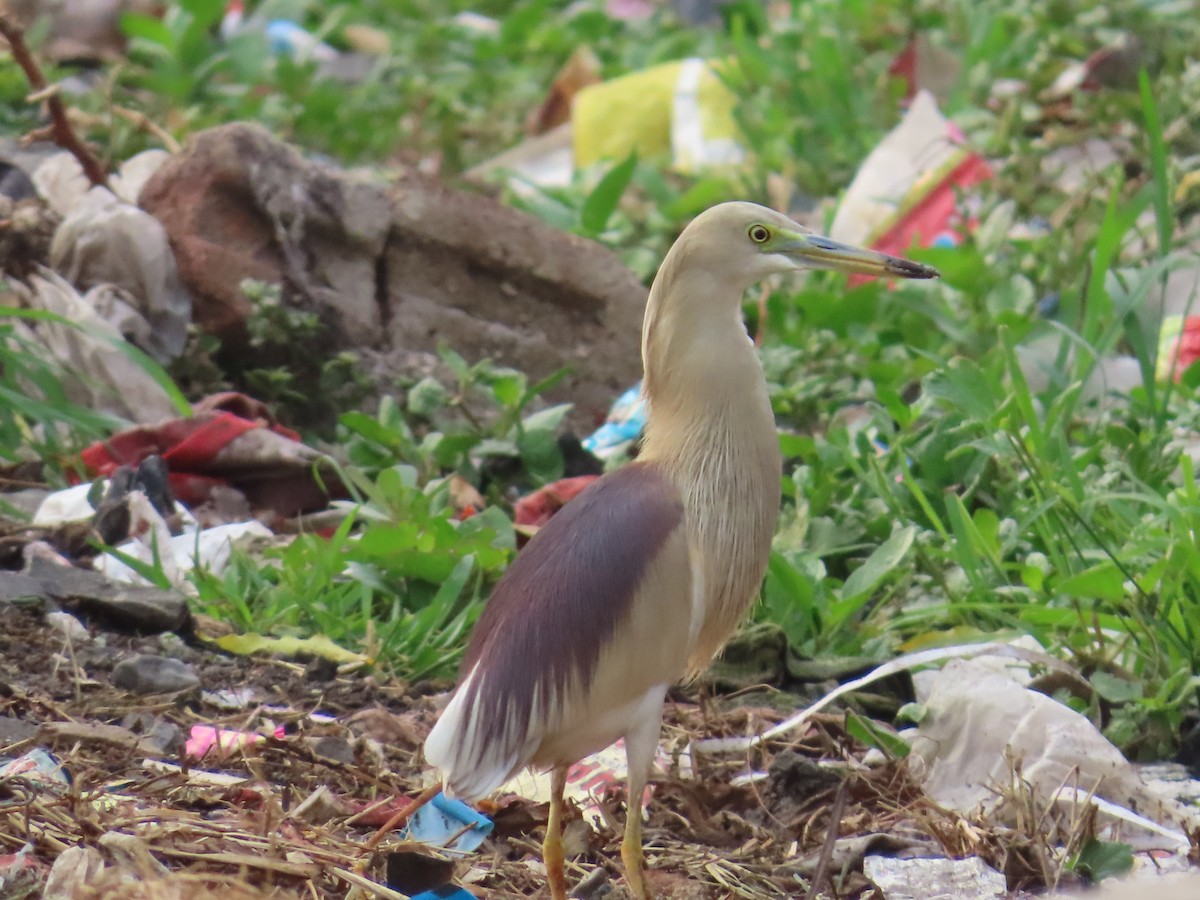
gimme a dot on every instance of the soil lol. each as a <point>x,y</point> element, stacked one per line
<point>243,831</point>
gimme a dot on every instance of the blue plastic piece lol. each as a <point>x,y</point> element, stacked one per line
<point>450,824</point>
<point>445,892</point>
<point>289,39</point>
<point>625,422</point>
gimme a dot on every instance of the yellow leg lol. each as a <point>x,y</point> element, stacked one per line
<point>631,847</point>
<point>640,744</point>
<point>552,847</point>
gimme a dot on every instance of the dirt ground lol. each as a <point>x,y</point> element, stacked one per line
<point>249,824</point>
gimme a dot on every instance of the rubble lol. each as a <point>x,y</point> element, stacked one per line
<point>147,674</point>
<point>395,269</point>
<point>146,610</point>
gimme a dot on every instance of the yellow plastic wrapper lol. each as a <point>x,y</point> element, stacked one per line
<point>680,108</point>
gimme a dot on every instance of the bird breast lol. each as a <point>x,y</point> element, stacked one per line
<point>724,460</point>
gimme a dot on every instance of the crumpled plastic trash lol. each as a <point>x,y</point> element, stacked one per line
<point>208,549</point>
<point>61,183</point>
<point>925,66</point>
<point>682,108</point>
<point>153,544</point>
<point>37,766</point>
<point>980,721</point>
<point>581,69</point>
<point>624,424</point>
<point>1178,346</point>
<point>1113,66</point>
<point>103,242</point>
<point>284,37</point>
<point>534,510</point>
<point>906,190</point>
<point>451,824</point>
<point>589,779</point>
<point>21,873</point>
<point>222,742</point>
<point>98,373</point>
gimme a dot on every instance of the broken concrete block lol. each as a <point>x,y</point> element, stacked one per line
<point>398,269</point>
<point>238,204</point>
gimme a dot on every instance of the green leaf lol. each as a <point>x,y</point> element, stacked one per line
<point>426,397</point>
<point>885,558</point>
<point>547,419</point>
<point>147,28</point>
<point>963,386</point>
<point>912,712</point>
<point>1114,689</point>
<point>497,447</point>
<point>1104,581</point>
<point>540,453</point>
<point>371,429</point>
<point>602,202</point>
<point>508,388</point>
<point>875,735</point>
<point>700,196</point>
<point>1103,859</point>
<point>452,588</point>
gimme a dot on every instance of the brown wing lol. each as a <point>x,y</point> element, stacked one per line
<point>556,627</point>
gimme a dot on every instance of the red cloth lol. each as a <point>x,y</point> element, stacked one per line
<point>191,449</point>
<point>535,510</point>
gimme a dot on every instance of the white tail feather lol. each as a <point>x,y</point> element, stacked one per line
<point>470,769</point>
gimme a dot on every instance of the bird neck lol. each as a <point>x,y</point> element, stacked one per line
<point>711,430</point>
<point>703,381</point>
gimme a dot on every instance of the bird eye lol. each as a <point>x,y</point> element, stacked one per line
<point>759,234</point>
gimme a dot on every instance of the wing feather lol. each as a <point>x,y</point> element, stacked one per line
<point>585,621</point>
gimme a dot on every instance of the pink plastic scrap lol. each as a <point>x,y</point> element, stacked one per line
<point>221,742</point>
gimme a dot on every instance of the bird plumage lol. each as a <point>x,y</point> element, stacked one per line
<point>643,577</point>
<point>547,638</point>
<point>667,552</point>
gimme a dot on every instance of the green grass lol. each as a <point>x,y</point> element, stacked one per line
<point>931,495</point>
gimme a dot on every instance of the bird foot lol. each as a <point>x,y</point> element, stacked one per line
<point>638,888</point>
<point>635,874</point>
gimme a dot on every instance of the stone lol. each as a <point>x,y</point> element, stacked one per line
<point>319,807</point>
<point>333,747</point>
<point>13,731</point>
<point>237,203</point>
<point>146,674</point>
<point>68,626</point>
<point>935,879</point>
<point>19,589</point>
<point>141,609</point>
<point>163,736</point>
<point>494,282</point>
<point>396,269</point>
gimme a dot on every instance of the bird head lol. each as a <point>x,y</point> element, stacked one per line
<point>748,242</point>
<point>695,303</point>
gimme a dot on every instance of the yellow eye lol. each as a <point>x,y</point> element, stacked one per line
<point>760,234</point>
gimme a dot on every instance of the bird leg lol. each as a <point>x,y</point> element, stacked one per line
<point>640,745</point>
<point>631,846</point>
<point>552,847</point>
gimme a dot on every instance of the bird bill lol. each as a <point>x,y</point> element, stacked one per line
<point>813,251</point>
